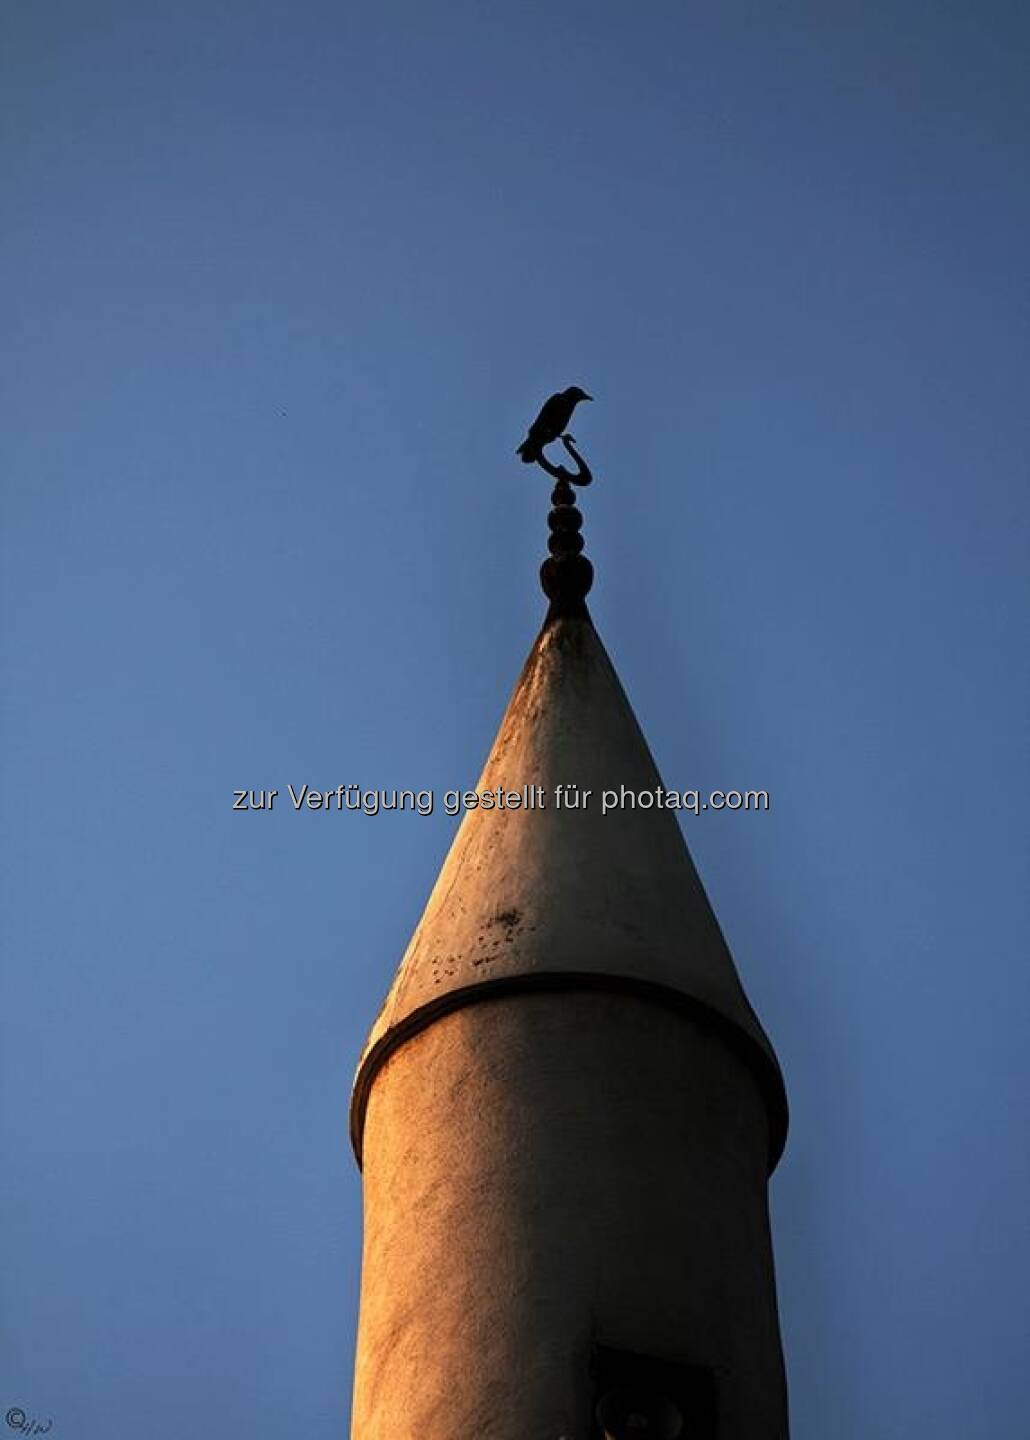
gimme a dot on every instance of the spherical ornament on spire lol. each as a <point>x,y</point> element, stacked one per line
<point>566,575</point>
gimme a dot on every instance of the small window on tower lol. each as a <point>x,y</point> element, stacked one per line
<point>639,1397</point>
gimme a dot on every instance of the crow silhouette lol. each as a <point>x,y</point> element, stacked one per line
<point>552,421</point>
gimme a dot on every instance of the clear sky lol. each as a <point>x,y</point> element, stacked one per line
<point>283,285</point>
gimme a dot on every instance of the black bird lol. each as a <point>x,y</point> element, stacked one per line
<point>552,421</point>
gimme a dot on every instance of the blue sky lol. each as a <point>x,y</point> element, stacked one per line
<point>284,284</point>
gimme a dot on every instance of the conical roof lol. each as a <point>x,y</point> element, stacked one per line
<point>549,896</point>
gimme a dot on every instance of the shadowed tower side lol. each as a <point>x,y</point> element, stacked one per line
<point>567,1111</point>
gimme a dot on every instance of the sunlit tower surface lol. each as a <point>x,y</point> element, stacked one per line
<point>566,1112</point>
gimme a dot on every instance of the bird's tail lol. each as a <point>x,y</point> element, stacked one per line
<point>528,452</point>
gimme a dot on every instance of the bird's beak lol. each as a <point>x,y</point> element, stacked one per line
<point>586,396</point>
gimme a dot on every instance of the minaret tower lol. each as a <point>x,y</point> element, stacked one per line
<point>566,1112</point>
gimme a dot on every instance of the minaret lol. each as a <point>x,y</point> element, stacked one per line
<point>567,1111</point>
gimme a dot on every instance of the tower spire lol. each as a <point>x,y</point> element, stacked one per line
<point>566,1111</point>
